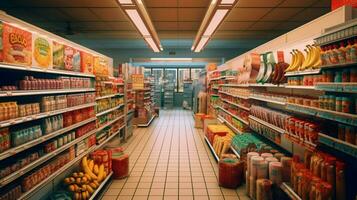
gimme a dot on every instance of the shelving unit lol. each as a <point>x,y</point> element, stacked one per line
<point>212,149</point>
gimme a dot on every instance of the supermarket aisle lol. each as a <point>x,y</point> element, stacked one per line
<point>169,160</point>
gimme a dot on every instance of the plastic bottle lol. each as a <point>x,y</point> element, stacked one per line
<point>353,51</point>
<point>342,53</point>
<point>348,51</point>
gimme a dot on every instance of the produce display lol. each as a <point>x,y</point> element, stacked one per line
<point>301,62</point>
<point>83,183</point>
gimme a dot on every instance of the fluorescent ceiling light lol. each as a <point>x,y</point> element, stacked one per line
<point>227,1</point>
<point>125,1</point>
<point>201,44</point>
<point>152,44</point>
<point>171,59</point>
<point>139,23</point>
<point>213,1</point>
<point>215,21</point>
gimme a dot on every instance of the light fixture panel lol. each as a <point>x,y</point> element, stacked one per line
<point>201,44</point>
<point>138,22</point>
<point>152,44</point>
<point>228,2</point>
<point>124,2</point>
<point>215,21</point>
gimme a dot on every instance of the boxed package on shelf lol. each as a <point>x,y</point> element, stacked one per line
<point>320,174</point>
<point>42,51</point>
<point>16,45</point>
<point>87,63</point>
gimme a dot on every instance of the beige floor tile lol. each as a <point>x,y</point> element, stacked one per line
<point>141,197</point>
<point>196,179</point>
<point>130,185</point>
<point>116,185</point>
<point>113,192</point>
<point>186,197</point>
<point>214,197</point>
<point>211,179</point>
<point>229,192</point>
<point>119,181</point>
<point>133,179</point>
<point>185,192</point>
<point>200,192</point>
<point>196,173</point>
<point>146,179</point>
<point>212,185</point>
<point>158,185</point>
<point>201,197</point>
<point>125,197</point>
<point>214,192</point>
<point>188,173</point>
<point>172,179</point>
<point>160,173</point>
<point>127,192</point>
<point>171,197</point>
<point>155,197</point>
<point>142,191</point>
<point>231,197</point>
<point>157,192</point>
<point>172,173</point>
<point>172,185</point>
<point>161,169</point>
<point>109,197</point>
<point>144,185</point>
<point>185,179</point>
<point>199,185</point>
<point>159,179</point>
<point>171,192</point>
<point>243,197</point>
<point>186,185</point>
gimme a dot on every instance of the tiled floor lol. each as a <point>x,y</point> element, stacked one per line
<point>170,160</point>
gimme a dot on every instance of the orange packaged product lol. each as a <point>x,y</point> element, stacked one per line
<point>42,51</point>
<point>17,45</point>
<point>68,58</point>
<point>87,62</point>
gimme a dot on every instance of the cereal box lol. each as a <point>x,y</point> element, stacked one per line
<point>68,58</point>
<point>100,66</point>
<point>58,55</point>
<point>1,45</point>
<point>17,45</point>
<point>87,62</point>
<point>76,63</point>
<point>41,51</point>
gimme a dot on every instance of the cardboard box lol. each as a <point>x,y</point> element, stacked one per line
<point>17,45</point>
<point>87,62</point>
<point>58,55</point>
<point>41,51</point>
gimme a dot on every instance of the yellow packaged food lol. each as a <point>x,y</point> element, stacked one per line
<point>42,51</point>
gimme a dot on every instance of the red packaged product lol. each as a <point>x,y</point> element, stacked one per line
<point>120,166</point>
<point>230,172</point>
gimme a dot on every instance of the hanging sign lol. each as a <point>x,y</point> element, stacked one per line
<point>138,81</point>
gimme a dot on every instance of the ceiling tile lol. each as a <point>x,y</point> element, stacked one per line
<point>281,14</point>
<point>71,3</point>
<point>191,14</point>
<point>257,3</point>
<point>297,3</point>
<point>322,3</point>
<point>97,26</point>
<point>163,14</point>
<point>261,26</point>
<point>194,3</point>
<point>247,34</point>
<point>80,14</point>
<point>187,26</point>
<point>160,3</point>
<point>247,14</point>
<point>166,26</point>
<point>230,26</point>
<point>121,25</point>
<point>288,25</point>
<point>110,14</point>
<point>52,14</point>
<point>310,13</point>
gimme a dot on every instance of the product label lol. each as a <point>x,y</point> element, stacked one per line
<point>42,52</point>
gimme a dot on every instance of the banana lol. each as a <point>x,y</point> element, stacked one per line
<point>96,169</point>
<point>84,195</point>
<point>307,60</point>
<point>300,60</point>
<point>318,62</point>
<point>293,61</point>
<point>91,164</point>
<point>93,185</point>
<point>90,189</point>
<point>313,56</point>
<point>87,170</point>
<point>101,173</point>
<point>77,196</point>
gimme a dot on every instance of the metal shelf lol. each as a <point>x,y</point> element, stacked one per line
<point>8,179</point>
<point>278,129</point>
<point>97,191</point>
<point>301,87</point>
<point>339,145</point>
<point>239,106</point>
<point>107,96</point>
<point>41,92</point>
<point>109,123</point>
<point>301,73</point>
<point>44,70</point>
<point>220,118</point>
<point>238,96</point>
<point>147,124</point>
<point>337,87</point>
<point>267,99</point>
<point>235,152</point>
<point>42,115</point>
<point>240,119</point>
<point>47,180</point>
<point>109,110</point>
<point>32,143</point>
<point>338,65</point>
<point>212,150</point>
<point>98,146</point>
<point>289,191</point>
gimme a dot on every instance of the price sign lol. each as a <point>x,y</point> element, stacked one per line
<point>138,81</point>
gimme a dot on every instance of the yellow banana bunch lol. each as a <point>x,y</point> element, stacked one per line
<point>293,61</point>
<point>313,59</point>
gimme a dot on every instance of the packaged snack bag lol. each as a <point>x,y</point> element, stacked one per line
<point>68,58</point>
<point>76,60</point>
<point>17,45</point>
<point>58,55</point>
<point>42,51</point>
<point>87,63</point>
